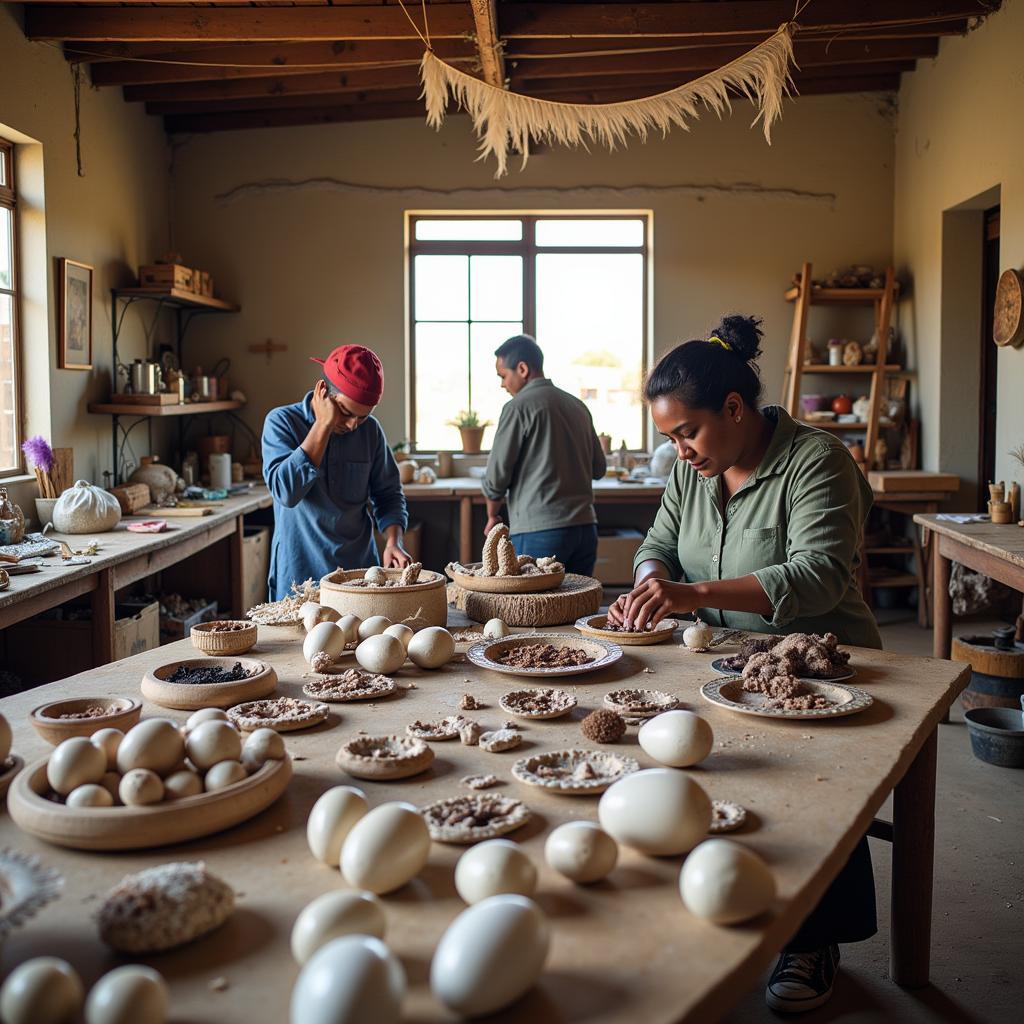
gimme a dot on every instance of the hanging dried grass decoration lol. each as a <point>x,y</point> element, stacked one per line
<point>506,121</point>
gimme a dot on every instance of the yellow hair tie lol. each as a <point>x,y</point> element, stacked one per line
<point>716,340</point>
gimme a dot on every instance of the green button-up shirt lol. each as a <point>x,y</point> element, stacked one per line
<point>795,523</point>
<point>545,457</point>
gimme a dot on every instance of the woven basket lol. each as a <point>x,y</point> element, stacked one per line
<point>577,596</point>
<point>238,641</point>
<point>425,600</point>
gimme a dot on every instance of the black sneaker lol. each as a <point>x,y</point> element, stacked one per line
<point>802,981</point>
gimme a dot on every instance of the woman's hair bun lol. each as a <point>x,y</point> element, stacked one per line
<point>742,334</point>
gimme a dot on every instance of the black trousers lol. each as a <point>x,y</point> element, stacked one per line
<point>846,912</point>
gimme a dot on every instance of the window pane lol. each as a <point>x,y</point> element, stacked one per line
<point>590,232</point>
<point>496,287</point>
<point>8,408</point>
<point>442,287</point>
<point>3,167</point>
<point>468,229</point>
<point>590,324</point>
<point>442,382</point>
<point>488,396</point>
<point>6,277</point>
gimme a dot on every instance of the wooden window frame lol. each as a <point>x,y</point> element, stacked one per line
<point>527,248</point>
<point>9,200</point>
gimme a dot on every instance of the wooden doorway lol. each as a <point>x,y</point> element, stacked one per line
<point>989,353</point>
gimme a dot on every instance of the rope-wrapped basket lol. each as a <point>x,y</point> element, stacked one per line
<point>424,600</point>
<point>576,597</point>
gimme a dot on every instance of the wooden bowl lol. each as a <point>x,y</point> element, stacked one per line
<point>9,770</point>
<point>137,828</point>
<point>533,584</point>
<point>123,713</point>
<point>237,641</point>
<point>193,696</point>
<point>427,599</point>
<point>594,625</point>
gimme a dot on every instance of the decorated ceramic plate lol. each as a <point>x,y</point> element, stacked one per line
<point>544,654</point>
<point>843,700</point>
<point>597,625</point>
<point>719,665</point>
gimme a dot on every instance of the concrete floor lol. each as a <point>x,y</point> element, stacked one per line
<point>978,916</point>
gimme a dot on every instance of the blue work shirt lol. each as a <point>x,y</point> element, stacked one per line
<point>320,513</point>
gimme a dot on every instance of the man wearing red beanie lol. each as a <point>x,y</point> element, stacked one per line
<point>324,459</point>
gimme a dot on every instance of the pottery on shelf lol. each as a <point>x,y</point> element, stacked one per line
<point>12,520</point>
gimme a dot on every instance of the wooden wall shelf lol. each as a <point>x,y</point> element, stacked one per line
<point>182,409</point>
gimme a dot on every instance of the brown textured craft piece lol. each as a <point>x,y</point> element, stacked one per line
<point>576,597</point>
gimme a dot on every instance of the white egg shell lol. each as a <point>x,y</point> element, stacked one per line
<point>212,742</point>
<point>74,763</point>
<point>350,624</point>
<point>582,851</point>
<point>331,819</point>
<point>154,743</point>
<point>328,637</point>
<point>261,746</point>
<point>375,575</point>
<point>205,715</point>
<point>381,653</point>
<point>312,613</point>
<point>5,739</point>
<point>140,787</point>
<point>725,882</point>
<point>401,632</point>
<point>224,774</point>
<point>658,811</point>
<point>332,916</point>
<point>179,785</point>
<point>431,647</point>
<point>677,738</point>
<point>385,848</point>
<point>490,955</point>
<point>495,629</point>
<point>128,995</point>
<point>110,782</point>
<point>492,868</point>
<point>90,795</point>
<point>108,740</point>
<point>44,990</point>
<point>373,626</point>
<point>698,636</point>
<point>352,980</point>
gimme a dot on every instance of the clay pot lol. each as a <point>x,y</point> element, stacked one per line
<point>841,405</point>
<point>472,439</point>
<point>407,471</point>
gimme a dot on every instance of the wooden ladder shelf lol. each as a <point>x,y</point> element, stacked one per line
<point>804,295</point>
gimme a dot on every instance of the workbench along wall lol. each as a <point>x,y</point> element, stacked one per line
<point>956,144</point>
<point>113,218</point>
<point>317,265</point>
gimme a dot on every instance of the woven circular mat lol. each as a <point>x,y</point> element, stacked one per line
<point>577,596</point>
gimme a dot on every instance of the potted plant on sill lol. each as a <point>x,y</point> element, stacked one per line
<point>471,429</point>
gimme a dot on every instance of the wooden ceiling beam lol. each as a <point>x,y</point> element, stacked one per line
<point>488,43</point>
<point>213,24</point>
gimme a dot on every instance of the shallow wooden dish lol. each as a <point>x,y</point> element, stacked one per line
<point>533,584</point>
<point>592,625</point>
<point>235,642</point>
<point>124,712</point>
<point>604,654</point>
<point>418,757</point>
<point>193,696</point>
<point>10,768</point>
<point>138,828</point>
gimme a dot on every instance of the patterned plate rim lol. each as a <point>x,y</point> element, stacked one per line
<point>583,622</point>
<point>476,655</point>
<point>640,710</point>
<point>848,674</point>
<point>861,699</point>
<point>517,817</point>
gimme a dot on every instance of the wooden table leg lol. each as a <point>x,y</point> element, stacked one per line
<point>465,530</point>
<point>942,603</point>
<point>913,851</point>
<point>103,618</point>
<point>235,560</point>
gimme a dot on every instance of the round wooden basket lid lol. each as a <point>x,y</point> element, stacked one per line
<point>1008,322</point>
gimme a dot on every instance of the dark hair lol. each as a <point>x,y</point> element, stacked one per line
<point>701,374</point>
<point>521,349</point>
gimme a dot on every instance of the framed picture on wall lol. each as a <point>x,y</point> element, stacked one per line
<point>74,305</point>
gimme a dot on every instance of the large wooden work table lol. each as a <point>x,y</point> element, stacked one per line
<point>623,950</point>
<point>994,549</point>
<point>124,558</point>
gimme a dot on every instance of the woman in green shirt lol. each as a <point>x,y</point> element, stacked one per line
<point>759,529</point>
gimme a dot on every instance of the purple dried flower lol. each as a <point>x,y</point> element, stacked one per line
<point>38,453</point>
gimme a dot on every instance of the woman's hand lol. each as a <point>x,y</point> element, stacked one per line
<point>395,556</point>
<point>646,605</point>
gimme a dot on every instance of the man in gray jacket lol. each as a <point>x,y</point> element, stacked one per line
<point>544,457</point>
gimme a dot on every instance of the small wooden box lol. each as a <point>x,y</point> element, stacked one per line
<point>205,284</point>
<point>131,497</point>
<point>167,275</point>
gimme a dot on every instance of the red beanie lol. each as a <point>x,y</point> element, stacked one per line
<point>356,372</point>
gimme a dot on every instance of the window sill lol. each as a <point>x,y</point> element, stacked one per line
<point>17,478</point>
